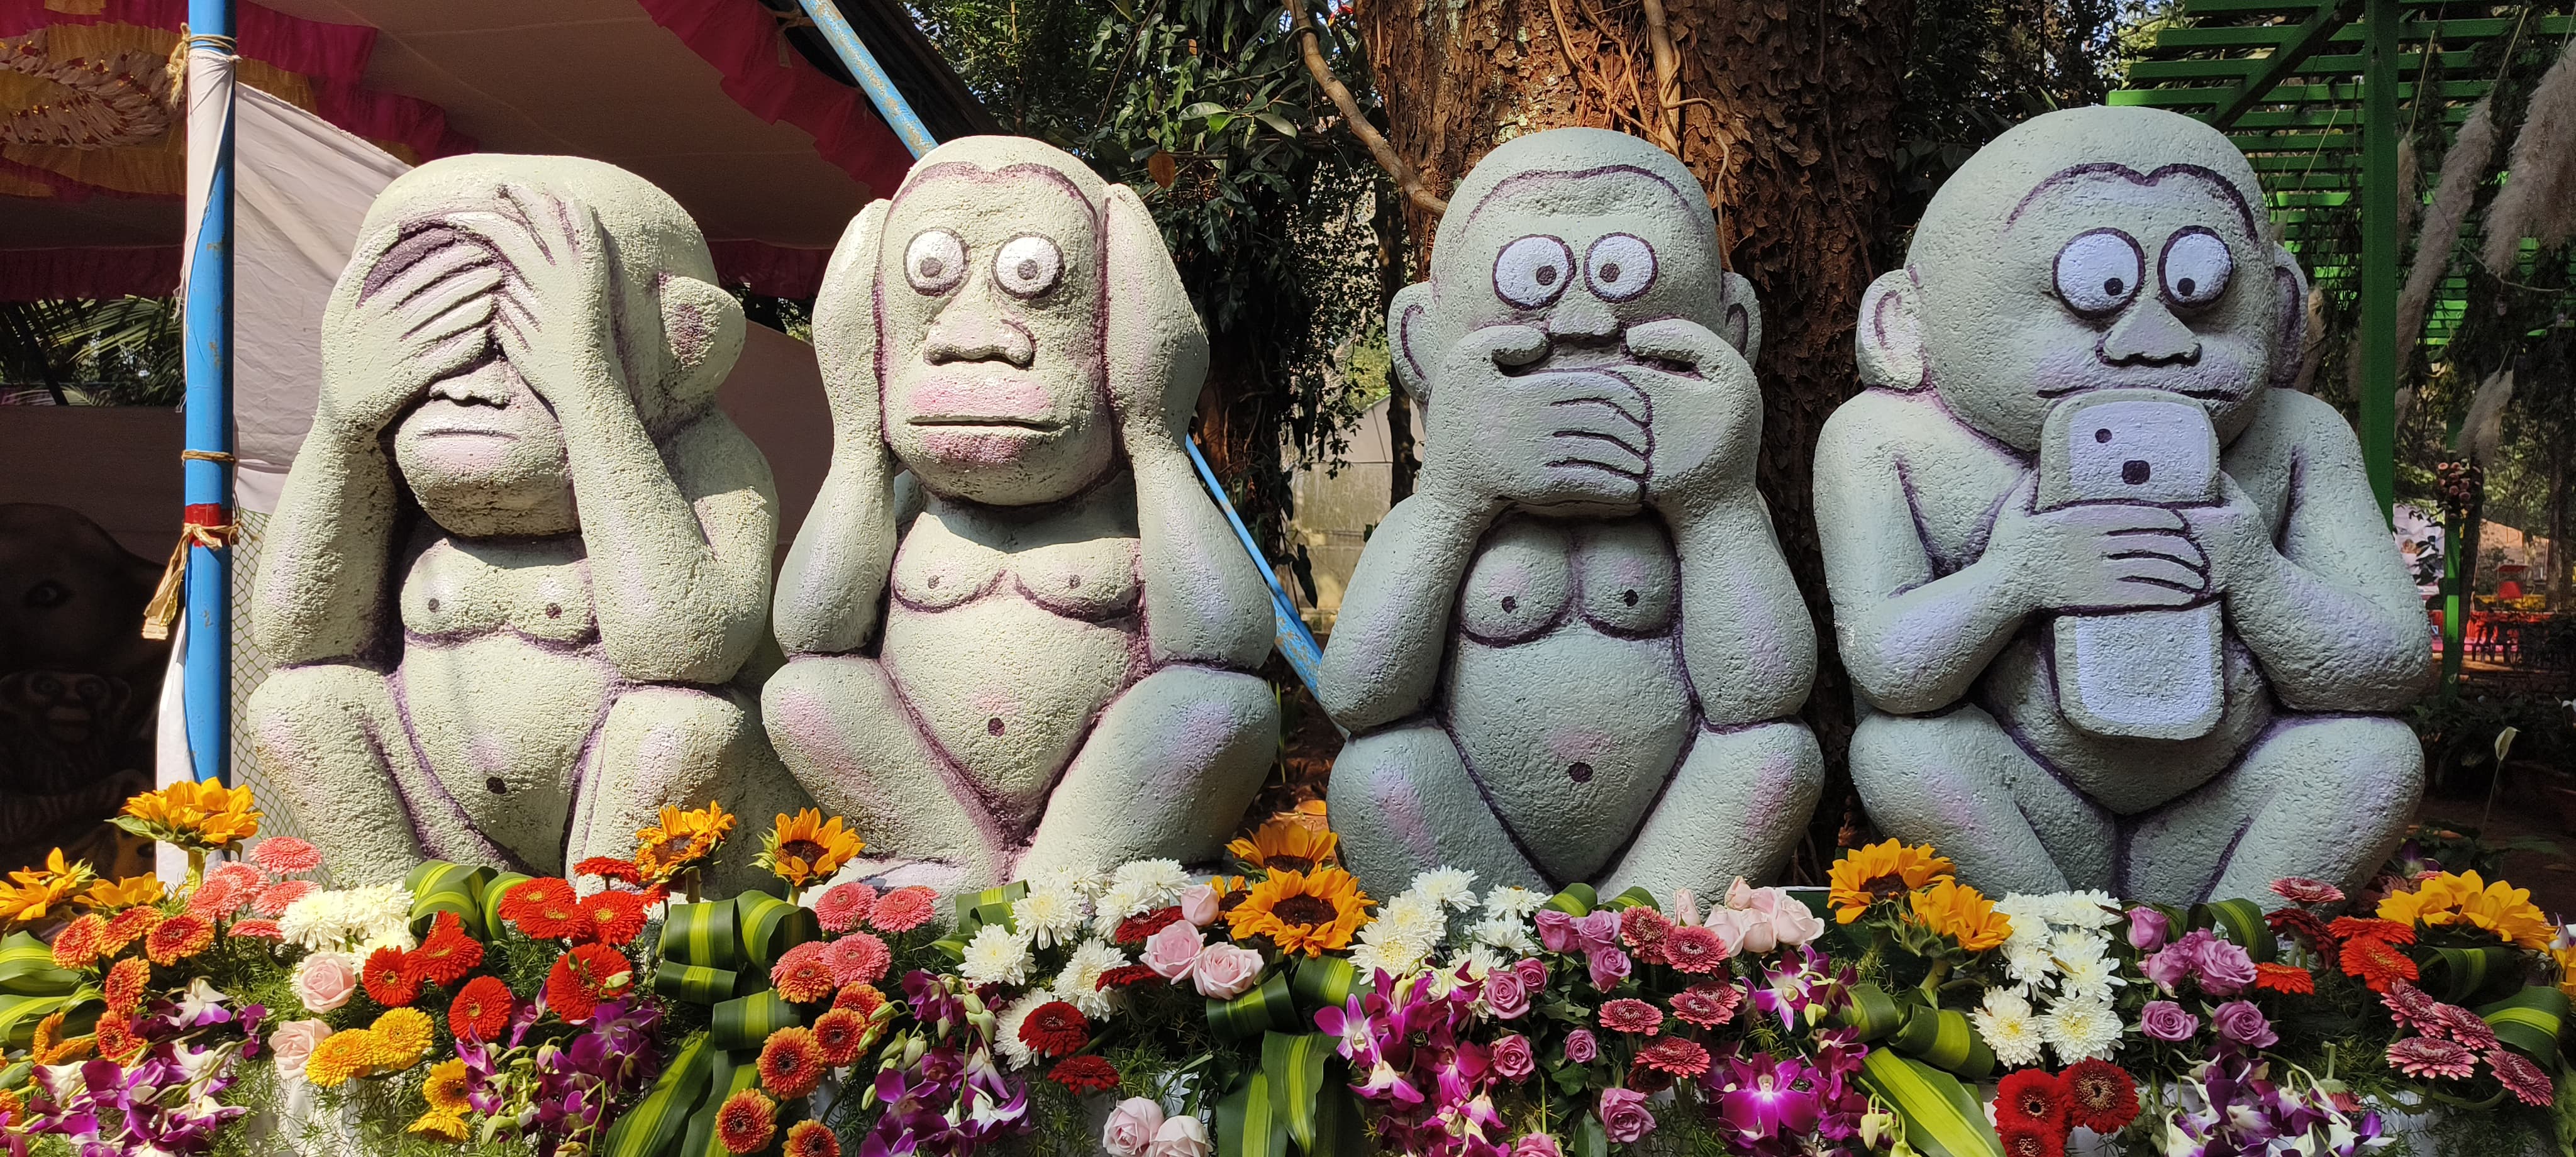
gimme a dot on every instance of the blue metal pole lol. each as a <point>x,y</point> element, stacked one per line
<point>1295,642</point>
<point>207,328</point>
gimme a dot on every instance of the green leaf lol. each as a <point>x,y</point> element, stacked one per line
<point>1249,1123</point>
<point>1205,108</point>
<point>1942,1118</point>
<point>1277,123</point>
<point>2529,1022</point>
<point>1295,1065</point>
<point>1590,1139</point>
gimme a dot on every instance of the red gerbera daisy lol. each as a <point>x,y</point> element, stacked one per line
<point>841,1032</point>
<point>859,958</point>
<point>2288,978</point>
<point>2033,1098</point>
<point>1136,929</point>
<point>2523,1079</point>
<point>2032,1141</point>
<point>273,899</point>
<point>1088,1074</point>
<point>2464,1028</point>
<point>1674,1056</point>
<point>79,943</point>
<point>902,910</point>
<point>791,1063</point>
<point>842,906</point>
<point>609,868</point>
<point>131,925</point>
<point>1122,976</point>
<point>124,987</point>
<point>285,855</point>
<point>746,1121</point>
<point>583,977</point>
<point>2100,1096</point>
<point>2302,925</point>
<point>1055,1029</point>
<point>611,918</point>
<point>804,974</point>
<point>2302,890</point>
<point>2348,927</point>
<point>388,979</point>
<point>481,1010</point>
<point>544,909</point>
<point>2409,1006</point>
<point>812,1139</point>
<point>1643,930</point>
<point>260,928</point>
<point>1707,1005</point>
<point>447,954</point>
<point>179,938</point>
<point>2377,964</point>
<point>1632,1016</point>
<point>1695,949</point>
<point>863,999</point>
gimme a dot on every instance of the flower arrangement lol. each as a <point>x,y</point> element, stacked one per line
<point>1272,1008</point>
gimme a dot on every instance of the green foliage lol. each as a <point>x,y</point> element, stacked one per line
<point>121,352</point>
<point>1979,67</point>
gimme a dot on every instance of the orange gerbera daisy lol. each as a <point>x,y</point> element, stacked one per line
<point>129,926</point>
<point>81,942</point>
<point>1882,871</point>
<point>1950,908</point>
<point>179,938</point>
<point>1284,842</point>
<point>2289,978</point>
<point>746,1121</point>
<point>804,848</point>
<point>1310,912</point>
<point>124,987</point>
<point>2376,962</point>
<point>791,1063</point>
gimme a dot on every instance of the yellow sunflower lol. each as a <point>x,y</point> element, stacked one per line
<point>1285,842</point>
<point>803,849</point>
<point>682,840</point>
<point>445,1088</point>
<point>30,893</point>
<point>1310,912</point>
<point>2566,960</point>
<point>340,1057</point>
<point>204,816</point>
<point>446,1125</point>
<point>1883,871</point>
<point>1961,913</point>
<point>118,895</point>
<point>402,1038</point>
<point>2464,898</point>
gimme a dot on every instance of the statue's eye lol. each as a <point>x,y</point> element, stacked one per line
<point>1532,271</point>
<point>1028,266</point>
<point>935,261</point>
<point>2196,266</point>
<point>47,593</point>
<point>2098,272</point>
<point>1620,266</point>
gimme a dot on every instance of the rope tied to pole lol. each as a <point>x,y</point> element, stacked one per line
<point>205,524</point>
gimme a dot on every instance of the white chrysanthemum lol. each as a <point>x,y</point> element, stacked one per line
<point>1156,883</point>
<point>1016,1053</point>
<point>2075,946</point>
<point>1050,916</point>
<point>996,955</point>
<point>1514,900</point>
<point>1081,883</point>
<point>2092,908</point>
<point>1447,887</point>
<point>351,919</point>
<point>1413,919</point>
<point>2029,961</point>
<point>1079,983</point>
<point>1477,960</point>
<point>1394,959</point>
<point>2025,907</point>
<point>2010,1028</point>
<point>1508,933</point>
<point>2080,1029</point>
<point>2091,979</point>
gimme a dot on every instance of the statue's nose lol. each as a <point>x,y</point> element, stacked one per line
<point>971,329</point>
<point>1581,317</point>
<point>2148,334</point>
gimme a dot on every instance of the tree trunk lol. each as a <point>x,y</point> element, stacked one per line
<point>1788,116</point>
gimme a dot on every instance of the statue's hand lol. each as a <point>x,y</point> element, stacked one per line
<point>554,319</point>
<point>1546,438</point>
<point>421,311</point>
<point>1706,410</point>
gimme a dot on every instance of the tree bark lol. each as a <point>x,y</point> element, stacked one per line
<point>1789,117</point>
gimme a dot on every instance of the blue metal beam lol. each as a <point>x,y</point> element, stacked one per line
<point>207,329</point>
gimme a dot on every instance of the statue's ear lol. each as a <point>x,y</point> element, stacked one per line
<point>1154,338</point>
<point>845,312</point>
<point>1743,321</point>
<point>2290,286</point>
<point>1890,334</point>
<point>1410,346</point>
<point>704,326</point>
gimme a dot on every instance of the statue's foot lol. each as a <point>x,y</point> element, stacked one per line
<point>1403,803</point>
<point>2325,797</point>
<point>1957,781</point>
<point>1166,774</point>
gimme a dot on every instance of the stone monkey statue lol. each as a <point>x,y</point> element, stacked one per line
<point>1041,655</point>
<point>1575,652</point>
<point>2090,251</point>
<point>521,552</point>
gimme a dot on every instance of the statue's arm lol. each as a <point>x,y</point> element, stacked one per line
<point>1204,599</point>
<point>1383,662</point>
<point>319,594</point>
<point>831,592</point>
<point>1912,643</point>
<point>1746,639</point>
<point>679,553</point>
<point>2328,610</point>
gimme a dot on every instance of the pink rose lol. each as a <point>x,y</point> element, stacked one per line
<point>1741,930</point>
<point>292,1044</point>
<point>1608,966</point>
<point>1505,996</point>
<point>1171,951</point>
<point>1512,1059</point>
<point>1624,1116</point>
<point>1224,971</point>
<point>1536,1145</point>
<point>1199,905</point>
<point>1533,974</point>
<point>325,980</point>
<point>2240,1021</point>
<point>1131,1127</point>
<point>1182,1136</point>
<point>2168,1022</point>
<point>1581,1047</point>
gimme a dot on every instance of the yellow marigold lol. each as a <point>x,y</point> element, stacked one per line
<point>1285,842</point>
<point>446,1086</point>
<point>1882,871</point>
<point>446,1125</point>
<point>32,892</point>
<point>682,839</point>
<point>119,895</point>
<point>1961,913</point>
<point>2450,898</point>
<point>341,1057</point>
<point>402,1038</point>
<point>1310,912</point>
<point>193,815</point>
<point>803,848</point>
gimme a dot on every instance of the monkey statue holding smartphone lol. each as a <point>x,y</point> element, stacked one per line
<point>2121,611</point>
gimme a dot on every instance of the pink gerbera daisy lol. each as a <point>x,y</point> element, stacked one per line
<point>2464,1028</point>
<point>258,929</point>
<point>1695,949</point>
<point>859,958</point>
<point>273,899</point>
<point>903,909</point>
<point>1633,1016</point>
<point>1674,1056</point>
<point>1707,1005</point>
<point>842,906</point>
<point>216,898</point>
<point>2522,1078</point>
<point>1643,930</point>
<point>2410,1006</point>
<point>2302,890</point>
<point>238,876</point>
<point>2423,1057</point>
<point>285,855</point>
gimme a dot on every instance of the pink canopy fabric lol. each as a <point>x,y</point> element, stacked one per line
<point>741,40</point>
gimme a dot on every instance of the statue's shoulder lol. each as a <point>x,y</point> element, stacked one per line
<point>2287,422</point>
<point>1876,425</point>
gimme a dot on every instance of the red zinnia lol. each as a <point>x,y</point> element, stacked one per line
<point>1707,1005</point>
<point>812,1139</point>
<point>611,918</point>
<point>2032,1098</point>
<point>1695,949</point>
<point>863,999</point>
<point>124,987</point>
<point>791,1064</point>
<point>1087,1074</point>
<point>1675,1056</point>
<point>273,899</point>
<point>2288,978</point>
<point>2099,1096</point>
<point>447,955</point>
<point>842,906</point>
<point>859,958</point>
<point>1123,976</point>
<point>116,1039</point>
<point>131,925</point>
<point>804,974</point>
<point>2022,1140</point>
<point>1643,930</point>
<point>544,909</point>
<point>1630,1015</point>
<point>583,977</point>
<point>481,1009</point>
<point>258,929</point>
<point>1136,929</point>
<point>79,943</point>
<point>1055,1029</point>
<point>746,1121</point>
<point>841,1032</point>
<point>285,855</point>
<point>388,979</point>
<point>609,868</point>
<point>902,910</point>
<point>2377,964</point>
<point>2302,890</point>
<point>178,938</point>
<point>2349,927</point>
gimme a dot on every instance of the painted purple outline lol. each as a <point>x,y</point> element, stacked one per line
<point>1501,186</point>
<point>2073,173</point>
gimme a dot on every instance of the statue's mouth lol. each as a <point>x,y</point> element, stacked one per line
<point>989,422</point>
